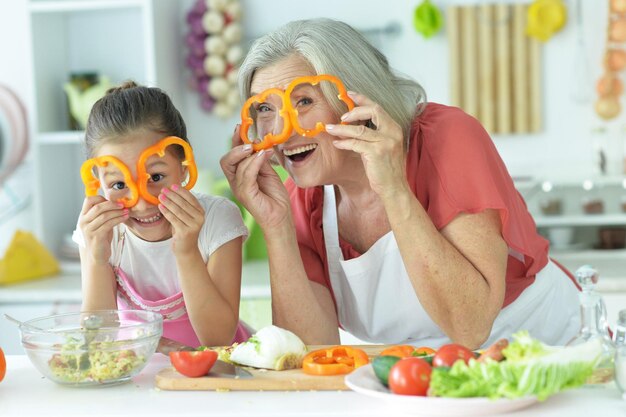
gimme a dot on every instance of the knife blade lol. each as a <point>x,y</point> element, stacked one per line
<point>220,369</point>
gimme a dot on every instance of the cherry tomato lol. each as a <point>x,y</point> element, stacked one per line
<point>193,363</point>
<point>410,376</point>
<point>3,365</point>
<point>446,355</point>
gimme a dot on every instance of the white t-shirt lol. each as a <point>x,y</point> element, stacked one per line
<point>151,266</point>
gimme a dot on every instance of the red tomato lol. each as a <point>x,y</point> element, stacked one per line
<point>410,376</point>
<point>448,354</point>
<point>193,363</point>
<point>3,365</point>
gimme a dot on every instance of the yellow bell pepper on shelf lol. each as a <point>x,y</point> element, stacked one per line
<point>26,258</point>
<point>545,18</point>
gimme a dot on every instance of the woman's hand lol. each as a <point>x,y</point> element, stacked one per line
<point>255,183</point>
<point>97,219</point>
<point>381,146</point>
<point>185,214</point>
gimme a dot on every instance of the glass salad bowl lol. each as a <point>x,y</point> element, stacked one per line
<point>92,347</point>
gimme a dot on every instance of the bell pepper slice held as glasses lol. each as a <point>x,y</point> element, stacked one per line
<point>288,114</point>
<point>92,184</point>
<point>338,360</point>
<point>269,139</point>
<point>159,149</point>
<point>314,80</point>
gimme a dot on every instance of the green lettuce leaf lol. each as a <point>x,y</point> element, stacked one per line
<point>530,368</point>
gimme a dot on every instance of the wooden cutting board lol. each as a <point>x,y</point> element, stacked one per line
<point>262,380</point>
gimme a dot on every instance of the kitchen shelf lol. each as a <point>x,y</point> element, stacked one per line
<point>56,6</point>
<point>63,137</point>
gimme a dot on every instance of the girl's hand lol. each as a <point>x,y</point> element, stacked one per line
<point>185,214</point>
<point>255,183</point>
<point>97,219</point>
<point>381,146</point>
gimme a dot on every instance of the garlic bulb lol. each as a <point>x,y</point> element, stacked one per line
<point>270,348</point>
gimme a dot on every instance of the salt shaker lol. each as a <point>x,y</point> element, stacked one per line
<point>594,325</point>
<point>620,351</point>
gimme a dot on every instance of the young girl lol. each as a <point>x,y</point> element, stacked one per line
<point>179,253</point>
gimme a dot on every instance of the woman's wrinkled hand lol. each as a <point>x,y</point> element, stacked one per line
<point>97,219</point>
<point>184,212</point>
<point>381,145</point>
<point>255,184</point>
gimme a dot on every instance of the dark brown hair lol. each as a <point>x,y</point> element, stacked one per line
<point>130,107</point>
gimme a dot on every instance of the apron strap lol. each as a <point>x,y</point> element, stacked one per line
<point>329,219</point>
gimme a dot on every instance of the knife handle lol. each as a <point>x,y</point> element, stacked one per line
<point>166,346</point>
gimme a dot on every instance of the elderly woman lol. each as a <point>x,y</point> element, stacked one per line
<point>399,222</point>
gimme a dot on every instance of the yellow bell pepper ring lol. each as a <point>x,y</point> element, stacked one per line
<point>314,80</point>
<point>92,184</point>
<point>269,139</point>
<point>159,149</point>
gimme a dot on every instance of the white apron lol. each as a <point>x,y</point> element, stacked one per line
<point>376,301</point>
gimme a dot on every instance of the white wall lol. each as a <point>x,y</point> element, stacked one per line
<point>564,149</point>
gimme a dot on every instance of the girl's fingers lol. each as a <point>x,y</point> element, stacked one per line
<point>176,210</point>
<point>182,197</point>
<point>101,220</point>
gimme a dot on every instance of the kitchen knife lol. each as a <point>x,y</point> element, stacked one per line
<point>220,369</point>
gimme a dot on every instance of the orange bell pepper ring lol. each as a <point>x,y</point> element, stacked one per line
<point>92,184</point>
<point>338,360</point>
<point>159,149</point>
<point>269,139</point>
<point>314,80</point>
<point>288,114</point>
<point>407,351</point>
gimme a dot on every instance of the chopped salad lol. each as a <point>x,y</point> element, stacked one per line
<point>101,362</point>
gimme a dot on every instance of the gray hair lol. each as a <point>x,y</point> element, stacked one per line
<point>334,47</point>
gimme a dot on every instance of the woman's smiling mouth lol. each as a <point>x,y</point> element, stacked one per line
<point>300,153</point>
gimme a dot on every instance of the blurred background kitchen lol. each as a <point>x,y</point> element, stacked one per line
<point>544,77</point>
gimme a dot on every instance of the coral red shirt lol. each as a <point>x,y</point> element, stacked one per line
<point>452,167</point>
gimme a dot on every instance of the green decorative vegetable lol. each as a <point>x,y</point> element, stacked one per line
<point>427,19</point>
<point>530,368</point>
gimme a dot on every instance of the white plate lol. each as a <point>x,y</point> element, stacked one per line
<point>363,381</point>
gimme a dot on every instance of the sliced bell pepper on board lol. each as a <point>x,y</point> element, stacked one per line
<point>337,360</point>
<point>406,351</point>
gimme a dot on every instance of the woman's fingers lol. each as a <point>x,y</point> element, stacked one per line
<point>231,160</point>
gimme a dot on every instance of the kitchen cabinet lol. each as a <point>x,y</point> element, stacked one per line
<point>119,39</point>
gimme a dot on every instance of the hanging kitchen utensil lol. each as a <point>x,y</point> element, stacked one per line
<point>582,92</point>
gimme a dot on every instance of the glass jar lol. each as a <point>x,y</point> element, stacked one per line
<point>620,351</point>
<point>594,325</point>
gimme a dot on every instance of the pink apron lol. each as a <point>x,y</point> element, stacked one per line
<point>176,323</point>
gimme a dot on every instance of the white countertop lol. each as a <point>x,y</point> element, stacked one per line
<point>65,287</point>
<point>24,392</point>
